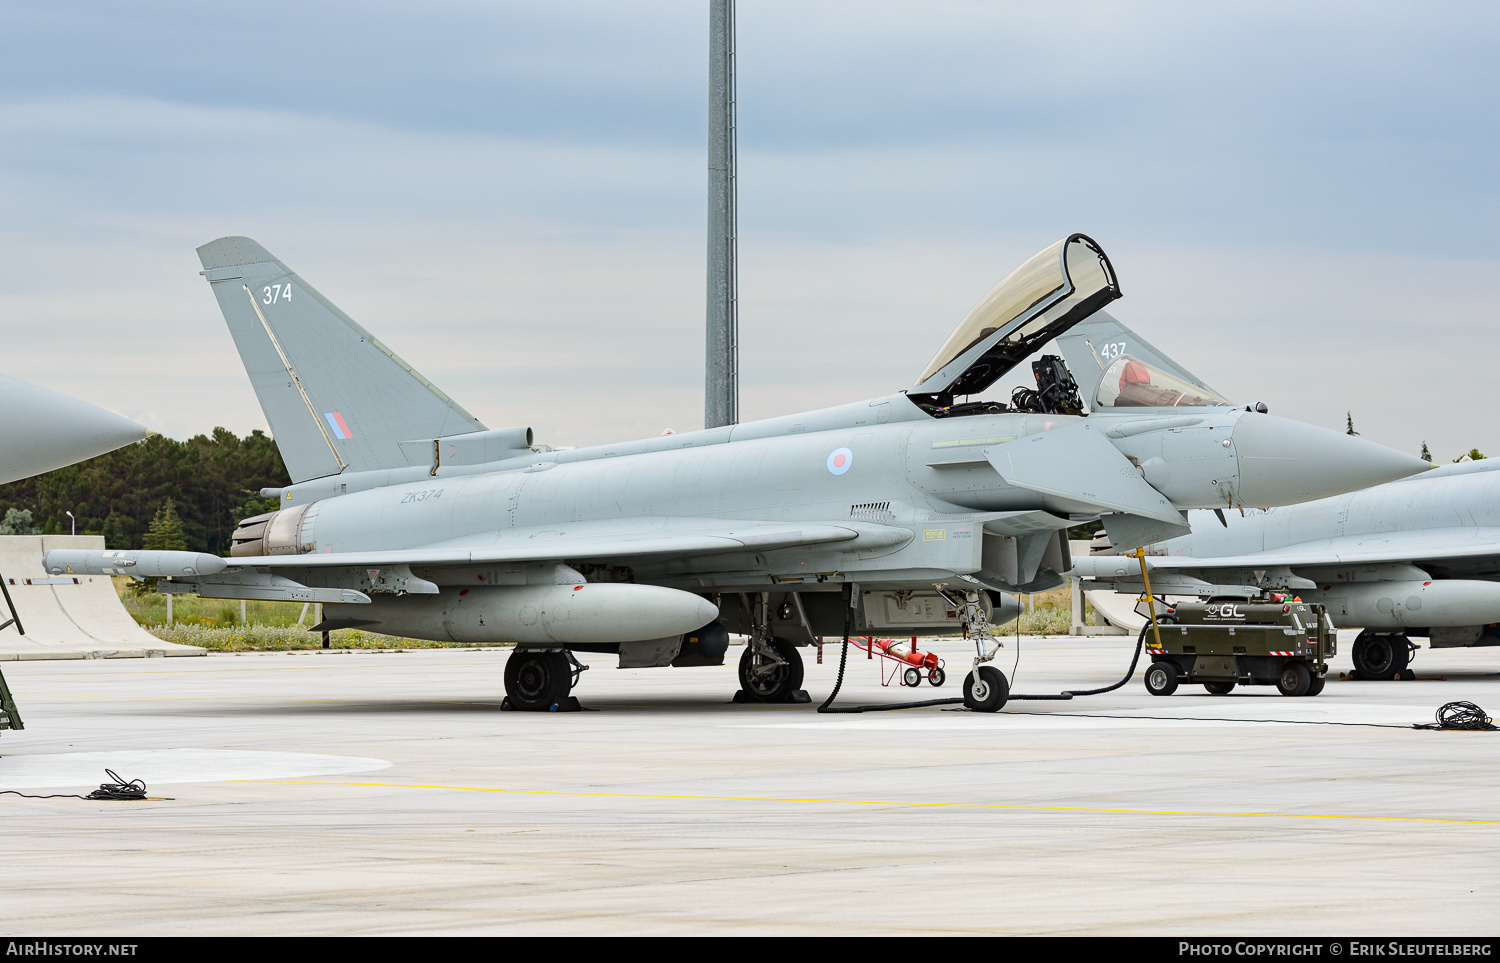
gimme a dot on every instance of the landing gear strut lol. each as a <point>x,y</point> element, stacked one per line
<point>771,672</point>
<point>538,681</point>
<point>1380,656</point>
<point>770,669</point>
<point>985,687</point>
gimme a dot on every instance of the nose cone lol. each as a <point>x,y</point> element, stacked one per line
<point>41,430</point>
<point>1283,462</point>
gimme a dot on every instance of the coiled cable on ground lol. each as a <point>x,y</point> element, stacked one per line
<point>119,789</point>
<point>1463,716</point>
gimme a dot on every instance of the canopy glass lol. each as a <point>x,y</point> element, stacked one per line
<point>1129,383</point>
<point>1051,292</point>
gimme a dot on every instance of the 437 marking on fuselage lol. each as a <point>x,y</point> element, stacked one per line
<point>421,496</point>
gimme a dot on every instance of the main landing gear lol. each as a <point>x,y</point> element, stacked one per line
<point>539,681</point>
<point>770,669</point>
<point>771,672</point>
<point>1381,656</point>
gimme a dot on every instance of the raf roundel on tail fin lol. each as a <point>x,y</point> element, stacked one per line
<point>318,374</point>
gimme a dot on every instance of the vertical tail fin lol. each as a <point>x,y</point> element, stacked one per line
<point>335,397</point>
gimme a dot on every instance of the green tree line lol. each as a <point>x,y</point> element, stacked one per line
<point>212,480</point>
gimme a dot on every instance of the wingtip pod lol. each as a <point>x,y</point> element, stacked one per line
<point>43,430</point>
<point>1284,462</point>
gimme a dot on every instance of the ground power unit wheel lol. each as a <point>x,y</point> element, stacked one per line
<point>1161,678</point>
<point>1219,688</point>
<point>989,692</point>
<point>1295,679</point>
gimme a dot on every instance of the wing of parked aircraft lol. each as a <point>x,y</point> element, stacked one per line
<point>589,541</point>
<point>1398,547</point>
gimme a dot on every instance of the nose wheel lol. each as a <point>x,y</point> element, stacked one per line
<point>985,689</point>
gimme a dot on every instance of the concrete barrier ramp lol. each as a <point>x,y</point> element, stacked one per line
<point>73,616</point>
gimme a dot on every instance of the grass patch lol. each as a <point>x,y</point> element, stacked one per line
<point>1052,613</point>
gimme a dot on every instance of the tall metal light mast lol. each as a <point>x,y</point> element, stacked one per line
<point>721,394</point>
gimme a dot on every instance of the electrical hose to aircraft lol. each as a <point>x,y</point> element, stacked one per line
<point>827,705</point>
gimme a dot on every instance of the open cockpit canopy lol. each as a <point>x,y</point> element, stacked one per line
<point>1038,301</point>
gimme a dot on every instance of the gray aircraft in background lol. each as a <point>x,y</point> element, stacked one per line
<point>1416,557</point>
<point>911,514</point>
<point>41,430</point>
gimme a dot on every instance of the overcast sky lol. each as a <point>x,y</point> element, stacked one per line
<point>1300,198</point>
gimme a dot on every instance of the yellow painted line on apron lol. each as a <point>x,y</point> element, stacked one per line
<point>880,802</point>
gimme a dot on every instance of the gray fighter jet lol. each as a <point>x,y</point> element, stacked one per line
<point>1419,557</point>
<point>910,514</point>
<point>41,430</point>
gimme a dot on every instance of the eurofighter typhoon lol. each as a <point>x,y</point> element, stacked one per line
<point>908,514</point>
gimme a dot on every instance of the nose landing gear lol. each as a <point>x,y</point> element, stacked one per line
<point>985,687</point>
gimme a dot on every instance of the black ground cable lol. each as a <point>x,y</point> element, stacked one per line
<point>1462,716</point>
<point>1065,695</point>
<point>120,789</point>
<point>1269,722</point>
<point>827,705</point>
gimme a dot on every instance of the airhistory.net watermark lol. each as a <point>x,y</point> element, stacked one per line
<point>48,948</point>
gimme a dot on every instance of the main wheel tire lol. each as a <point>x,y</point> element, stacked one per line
<point>1219,688</point>
<point>1317,685</point>
<point>534,681</point>
<point>777,685</point>
<point>937,677</point>
<point>989,693</point>
<point>1161,678</point>
<point>1380,657</point>
<point>912,676</point>
<point>1295,679</point>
